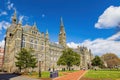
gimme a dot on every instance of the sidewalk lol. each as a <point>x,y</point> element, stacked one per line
<point>72,76</point>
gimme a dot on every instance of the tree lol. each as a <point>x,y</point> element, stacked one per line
<point>97,61</point>
<point>69,58</point>
<point>111,59</point>
<point>25,59</point>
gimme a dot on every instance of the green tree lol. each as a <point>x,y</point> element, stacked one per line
<point>25,59</point>
<point>69,58</point>
<point>97,61</point>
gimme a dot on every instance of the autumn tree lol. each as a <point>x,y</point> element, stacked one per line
<point>111,59</point>
<point>69,58</point>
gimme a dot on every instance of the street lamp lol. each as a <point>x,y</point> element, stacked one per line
<point>39,64</point>
<point>39,67</point>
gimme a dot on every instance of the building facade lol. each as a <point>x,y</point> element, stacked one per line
<point>1,57</point>
<point>46,52</point>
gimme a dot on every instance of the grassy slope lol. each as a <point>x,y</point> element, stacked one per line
<point>103,74</point>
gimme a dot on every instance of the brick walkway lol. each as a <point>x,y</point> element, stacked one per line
<point>72,76</point>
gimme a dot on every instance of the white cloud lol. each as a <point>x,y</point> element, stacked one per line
<point>4,25</point>
<point>43,15</point>
<point>3,13</point>
<point>73,45</point>
<point>110,18</point>
<point>10,5</point>
<point>115,37</point>
<point>2,43</point>
<point>100,46</point>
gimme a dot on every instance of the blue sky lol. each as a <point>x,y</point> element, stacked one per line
<point>79,16</point>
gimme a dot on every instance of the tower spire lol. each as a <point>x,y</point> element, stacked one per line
<point>62,26</point>
<point>14,18</point>
<point>47,37</point>
<point>47,32</point>
<point>34,24</point>
<point>61,22</point>
<point>62,34</point>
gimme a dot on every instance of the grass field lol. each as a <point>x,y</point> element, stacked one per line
<point>102,75</point>
<point>46,74</point>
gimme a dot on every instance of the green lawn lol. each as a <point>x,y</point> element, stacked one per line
<point>103,74</point>
<point>46,74</point>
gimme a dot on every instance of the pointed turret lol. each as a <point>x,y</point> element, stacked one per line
<point>62,30</point>
<point>47,32</point>
<point>61,22</point>
<point>20,23</point>
<point>47,35</point>
<point>14,18</point>
<point>62,34</point>
<point>34,24</point>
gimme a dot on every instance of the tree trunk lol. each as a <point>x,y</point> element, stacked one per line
<point>69,68</point>
<point>20,69</point>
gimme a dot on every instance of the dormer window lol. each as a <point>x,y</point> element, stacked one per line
<point>33,32</point>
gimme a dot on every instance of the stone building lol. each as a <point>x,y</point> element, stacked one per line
<point>1,57</point>
<point>46,52</point>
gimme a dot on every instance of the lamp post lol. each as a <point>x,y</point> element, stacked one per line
<point>39,67</point>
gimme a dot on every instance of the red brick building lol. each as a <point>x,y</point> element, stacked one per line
<point>1,56</point>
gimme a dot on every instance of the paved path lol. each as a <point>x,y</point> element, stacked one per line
<point>72,76</point>
<point>23,78</point>
<point>8,76</point>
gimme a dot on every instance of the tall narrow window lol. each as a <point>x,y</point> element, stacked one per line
<point>23,42</point>
<point>36,42</point>
<point>31,43</point>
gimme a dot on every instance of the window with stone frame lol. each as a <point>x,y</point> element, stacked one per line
<point>51,53</point>
<point>54,58</point>
<point>42,43</point>
<point>23,39</point>
<point>31,43</point>
<point>23,42</point>
<point>42,47</point>
<point>36,42</point>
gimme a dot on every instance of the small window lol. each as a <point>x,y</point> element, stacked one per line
<point>10,34</point>
<point>31,40</point>
<point>32,31</point>
<point>42,47</point>
<point>36,42</point>
<point>42,43</point>
<point>31,45</point>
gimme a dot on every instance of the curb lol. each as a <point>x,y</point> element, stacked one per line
<point>82,75</point>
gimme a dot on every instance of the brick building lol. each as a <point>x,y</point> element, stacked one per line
<point>1,57</point>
